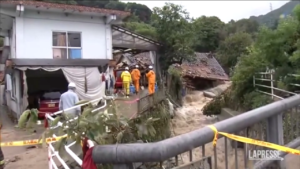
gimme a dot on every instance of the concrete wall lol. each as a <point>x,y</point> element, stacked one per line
<point>34,34</point>
<point>14,100</point>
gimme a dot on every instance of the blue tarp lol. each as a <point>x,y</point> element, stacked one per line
<point>132,88</point>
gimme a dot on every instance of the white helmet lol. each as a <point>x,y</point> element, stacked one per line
<point>72,85</point>
<point>137,66</point>
<point>126,68</point>
<point>150,67</point>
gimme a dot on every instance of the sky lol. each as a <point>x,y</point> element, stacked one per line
<point>225,10</point>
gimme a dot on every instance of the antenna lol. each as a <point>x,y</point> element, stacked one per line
<point>271,8</point>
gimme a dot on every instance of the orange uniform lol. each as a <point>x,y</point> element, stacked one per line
<point>151,81</point>
<point>136,75</point>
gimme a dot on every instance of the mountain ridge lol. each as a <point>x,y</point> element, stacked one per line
<point>270,19</point>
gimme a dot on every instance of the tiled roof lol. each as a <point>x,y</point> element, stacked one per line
<point>205,66</point>
<point>130,58</point>
<point>65,6</point>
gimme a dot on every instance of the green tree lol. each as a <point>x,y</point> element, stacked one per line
<point>141,28</point>
<point>232,48</point>
<point>277,49</point>
<point>140,10</point>
<point>116,5</point>
<point>243,25</point>
<point>207,31</point>
<point>175,32</point>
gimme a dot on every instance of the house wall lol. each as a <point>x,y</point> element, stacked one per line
<point>34,34</point>
<point>13,40</point>
<point>14,95</point>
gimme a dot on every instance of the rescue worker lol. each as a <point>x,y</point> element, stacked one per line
<point>151,80</point>
<point>126,80</point>
<point>136,75</point>
<point>68,100</point>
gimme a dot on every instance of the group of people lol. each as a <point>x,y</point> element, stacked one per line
<point>70,98</point>
<point>134,78</point>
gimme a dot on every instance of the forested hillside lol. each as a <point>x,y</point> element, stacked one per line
<point>271,19</point>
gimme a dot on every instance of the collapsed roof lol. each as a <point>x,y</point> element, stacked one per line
<point>126,59</point>
<point>205,66</point>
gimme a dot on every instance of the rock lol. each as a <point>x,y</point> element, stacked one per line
<point>209,94</point>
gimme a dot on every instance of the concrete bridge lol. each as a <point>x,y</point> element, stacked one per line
<point>277,123</point>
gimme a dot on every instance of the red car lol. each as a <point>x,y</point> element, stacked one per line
<point>48,103</point>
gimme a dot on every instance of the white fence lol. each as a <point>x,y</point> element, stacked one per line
<point>269,77</point>
<point>51,151</point>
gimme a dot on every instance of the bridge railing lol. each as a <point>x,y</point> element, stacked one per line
<point>266,84</point>
<point>195,148</point>
<point>69,147</point>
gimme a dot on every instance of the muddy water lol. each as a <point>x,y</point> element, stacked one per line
<point>190,117</point>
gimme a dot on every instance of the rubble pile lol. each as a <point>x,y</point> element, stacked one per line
<point>202,72</point>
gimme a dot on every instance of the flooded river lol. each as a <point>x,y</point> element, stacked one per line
<point>190,117</point>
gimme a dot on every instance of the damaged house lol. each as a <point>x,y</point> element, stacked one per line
<point>205,72</point>
<point>142,59</point>
<point>48,45</point>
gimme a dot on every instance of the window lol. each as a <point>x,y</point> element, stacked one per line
<point>51,95</point>
<point>66,45</point>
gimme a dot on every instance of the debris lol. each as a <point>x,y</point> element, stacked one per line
<point>201,72</point>
<point>209,94</point>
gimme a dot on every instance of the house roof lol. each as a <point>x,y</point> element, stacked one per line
<point>205,66</point>
<point>143,58</point>
<point>65,6</point>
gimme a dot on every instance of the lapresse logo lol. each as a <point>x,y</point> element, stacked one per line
<point>264,155</point>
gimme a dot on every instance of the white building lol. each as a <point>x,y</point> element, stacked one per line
<point>46,43</point>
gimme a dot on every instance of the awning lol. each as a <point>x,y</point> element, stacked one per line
<point>61,62</point>
<point>88,80</point>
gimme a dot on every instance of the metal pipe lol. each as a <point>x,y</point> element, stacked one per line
<point>55,153</point>
<point>75,118</point>
<point>162,150</point>
<point>73,155</point>
<point>67,147</point>
<point>59,112</point>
